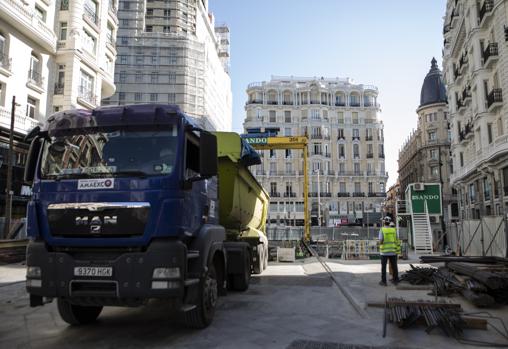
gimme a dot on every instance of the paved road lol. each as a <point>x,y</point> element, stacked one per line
<point>286,305</point>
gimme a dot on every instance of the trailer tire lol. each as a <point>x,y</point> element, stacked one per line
<point>77,314</point>
<point>258,264</point>
<point>202,315</point>
<point>241,281</point>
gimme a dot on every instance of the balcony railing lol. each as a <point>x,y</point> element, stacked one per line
<point>487,7</point>
<point>358,194</point>
<point>328,155</point>
<point>323,194</point>
<point>275,195</point>
<point>255,101</point>
<point>287,103</point>
<point>112,6</point>
<point>340,104</point>
<point>490,51</point>
<point>59,89</point>
<point>341,138</point>
<point>5,62</point>
<point>356,138</point>
<point>87,95</point>
<point>90,15</point>
<point>343,194</point>
<point>272,102</point>
<point>354,104</point>
<point>35,78</point>
<point>289,195</point>
<point>495,96</point>
<point>370,155</point>
<point>382,155</point>
<point>377,195</point>
<point>316,136</point>
<point>64,5</point>
<point>318,152</point>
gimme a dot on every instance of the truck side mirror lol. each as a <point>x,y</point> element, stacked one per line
<point>31,161</point>
<point>207,155</point>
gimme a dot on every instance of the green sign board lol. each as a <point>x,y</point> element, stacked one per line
<point>421,193</point>
<point>256,140</point>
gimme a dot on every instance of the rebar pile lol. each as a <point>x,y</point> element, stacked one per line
<point>445,316</point>
<point>419,275</point>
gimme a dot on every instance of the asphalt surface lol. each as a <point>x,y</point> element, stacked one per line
<point>288,306</point>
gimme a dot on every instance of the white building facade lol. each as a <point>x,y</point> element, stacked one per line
<point>54,56</point>
<point>346,148</point>
<point>171,52</point>
<point>475,64</point>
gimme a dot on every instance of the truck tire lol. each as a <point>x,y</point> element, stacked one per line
<point>240,282</point>
<point>77,314</point>
<point>258,264</point>
<point>202,315</point>
<point>265,260</point>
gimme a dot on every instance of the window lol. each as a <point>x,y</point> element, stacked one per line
<point>340,133</point>
<point>153,97</point>
<point>91,10</point>
<point>273,188</point>
<point>472,192</point>
<point>287,116</point>
<point>167,13</point>
<point>461,159</point>
<point>154,78</point>
<point>123,59</point>
<point>166,29</point>
<point>64,5</point>
<point>2,94</point>
<point>137,96</point>
<point>356,151</point>
<point>139,76</point>
<point>149,12</point>
<point>342,168</point>
<point>34,68</point>
<point>125,22</point>
<point>88,42</point>
<point>432,135</point>
<point>433,154</point>
<point>60,79</point>
<point>123,40</point>
<point>63,31</point>
<point>340,117</point>
<point>317,149</point>
<point>287,131</point>
<point>314,114</point>
<point>434,171</point>
<point>355,118</point>
<point>126,5</point>
<point>154,59</point>
<point>342,152</point>
<point>371,187</point>
<point>382,187</point>
<point>172,78</point>
<point>171,97</point>
<point>272,117</point>
<point>86,86</point>
<point>149,28</point>
<point>40,13</point>
<point>486,188</point>
<point>356,167</point>
<point>121,96</point>
<point>140,59</point>
<point>489,133</point>
<point>358,187</point>
<point>342,187</point>
<point>122,77</point>
<point>356,134</point>
<point>31,107</point>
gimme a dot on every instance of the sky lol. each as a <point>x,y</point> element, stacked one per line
<point>387,43</point>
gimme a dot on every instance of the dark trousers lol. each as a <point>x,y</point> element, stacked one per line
<point>393,264</point>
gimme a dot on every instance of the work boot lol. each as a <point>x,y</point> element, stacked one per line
<point>395,282</point>
<point>382,283</point>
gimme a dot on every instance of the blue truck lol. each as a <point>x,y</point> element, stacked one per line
<point>126,207</point>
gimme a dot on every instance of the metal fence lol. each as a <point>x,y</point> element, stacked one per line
<point>328,234</point>
<point>479,237</point>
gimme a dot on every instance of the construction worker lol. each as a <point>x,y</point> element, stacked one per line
<point>389,246</point>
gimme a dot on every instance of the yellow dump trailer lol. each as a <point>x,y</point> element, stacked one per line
<point>243,203</point>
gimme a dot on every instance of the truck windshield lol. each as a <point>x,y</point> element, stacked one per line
<point>104,154</point>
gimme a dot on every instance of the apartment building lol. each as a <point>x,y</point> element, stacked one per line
<point>346,152</point>
<point>171,52</point>
<point>54,55</point>
<point>475,64</point>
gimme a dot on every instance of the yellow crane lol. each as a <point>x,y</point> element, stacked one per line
<point>263,142</point>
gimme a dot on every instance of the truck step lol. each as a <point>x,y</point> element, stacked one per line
<point>192,254</point>
<point>187,307</point>
<point>190,282</point>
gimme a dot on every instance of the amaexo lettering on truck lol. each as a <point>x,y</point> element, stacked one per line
<point>154,208</point>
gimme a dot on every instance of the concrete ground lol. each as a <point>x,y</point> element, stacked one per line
<point>289,306</point>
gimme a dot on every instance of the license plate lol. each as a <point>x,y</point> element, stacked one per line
<point>93,271</point>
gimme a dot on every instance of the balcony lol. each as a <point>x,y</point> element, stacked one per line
<point>319,152</point>
<point>5,65</point>
<point>377,195</point>
<point>315,102</point>
<point>382,156</point>
<point>340,104</point>
<point>275,195</point>
<point>272,102</point>
<point>316,136</point>
<point>341,138</point>
<point>342,195</point>
<point>466,132</point>
<point>289,195</point>
<point>326,194</point>
<point>24,19</point>
<point>486,11</point>
<point>327,155</point>
<point>59,89</point>
<point>255,101</point>
<point>358,195</point>
<point>495,99</point>
<point>490,55</point>
<point>370,155</point>
<point>87,97</point>
<point>22,123</point>
<point>356,138</point>
<point>90,16</point>
<point>461,106</point>
<point>287,103</point>
<point>64,5</point>
<point>354,104</point>
<point>368,138</point>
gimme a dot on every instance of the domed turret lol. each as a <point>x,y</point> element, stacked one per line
<point>433,88</point>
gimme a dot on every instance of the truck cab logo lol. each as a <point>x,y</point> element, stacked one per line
<point>95,223</point>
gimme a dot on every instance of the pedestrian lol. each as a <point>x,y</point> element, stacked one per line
<point>389,245</point>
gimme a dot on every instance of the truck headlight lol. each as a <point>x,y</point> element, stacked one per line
<point>166,273</point>
<point>33,272</point>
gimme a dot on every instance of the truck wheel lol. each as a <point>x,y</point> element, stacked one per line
<point>77,314</point>
<point>258,264</point>
<point>202,315</point>
<point>265,260</point>
<point>241,281</point>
